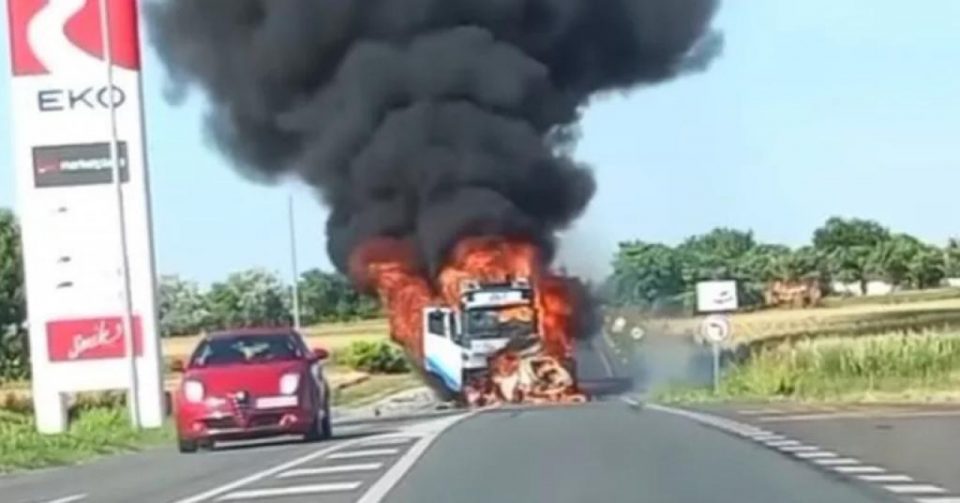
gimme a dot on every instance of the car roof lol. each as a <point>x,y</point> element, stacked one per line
<point>252,331</point>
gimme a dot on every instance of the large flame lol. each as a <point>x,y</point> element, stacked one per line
<point>531,374</point>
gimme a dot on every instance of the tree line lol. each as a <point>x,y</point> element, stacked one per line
<point>257,297</point>
<point>850,251</point>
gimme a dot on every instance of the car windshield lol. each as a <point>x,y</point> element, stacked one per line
<point>246,349</point>
<point>497,323</point>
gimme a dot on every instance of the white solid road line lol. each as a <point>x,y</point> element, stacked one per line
<point>858,469</point>
<point>326,470</point>
<point>886,478</point>
<point>217,491</point>
<point>362,453</point>
<point>939,499</point>
<point>836,461</point>
<point>429,433</point>
<point>69,499</point>
<point>915,489</point>
<point>333,487</point>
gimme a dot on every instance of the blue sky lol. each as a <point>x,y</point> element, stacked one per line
<point>815,108</point>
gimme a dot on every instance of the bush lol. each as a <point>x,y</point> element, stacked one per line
<point>374,357</point>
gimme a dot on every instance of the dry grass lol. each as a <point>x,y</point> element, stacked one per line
<point>330,336</point>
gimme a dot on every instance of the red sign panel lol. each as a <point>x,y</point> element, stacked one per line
<point>91,339</point>
<point>44,33</point>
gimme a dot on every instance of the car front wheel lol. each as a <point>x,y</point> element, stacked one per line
<point>187,446</point>
<point>322,428</point>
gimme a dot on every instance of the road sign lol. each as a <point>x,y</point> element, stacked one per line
<point>715,329</point>
<point>717,296</point>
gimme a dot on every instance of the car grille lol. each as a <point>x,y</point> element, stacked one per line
<point>221,423</point>
<point>265,420</point>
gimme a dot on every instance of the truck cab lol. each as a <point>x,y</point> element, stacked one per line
<point>459,340</point>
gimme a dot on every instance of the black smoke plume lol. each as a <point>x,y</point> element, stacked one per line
<point>425,119</point>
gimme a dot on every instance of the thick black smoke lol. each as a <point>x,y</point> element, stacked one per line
<point>427,119</point>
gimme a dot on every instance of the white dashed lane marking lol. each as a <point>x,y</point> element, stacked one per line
<point>815,455</point>
<point>886,478</point>
<point>367,453</point>
<point>897,483</point>
<point>327,470</point>
<point>858,469</point>
<point>385,441</point>
<point>836,461</point>
<point>290,491</point>
<point>915,489</point>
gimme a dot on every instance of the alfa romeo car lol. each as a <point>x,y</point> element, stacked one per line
<point>252,383</point>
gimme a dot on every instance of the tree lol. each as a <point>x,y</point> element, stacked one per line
<point>951,266</point>
<point>14,342</point>
<point>847,233</point>
<point>329,296</point>
<point>848,245</point>
<point>891,260</point>
<point>926,268</point>
<point>184,310</point>
<point>250,298</point>
<point>646,272</point>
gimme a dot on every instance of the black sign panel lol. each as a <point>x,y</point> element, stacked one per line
<point>85,164</point>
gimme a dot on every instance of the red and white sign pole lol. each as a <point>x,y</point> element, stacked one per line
<point>81,169</point>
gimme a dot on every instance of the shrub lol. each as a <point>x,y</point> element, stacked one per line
<point>379,357</point>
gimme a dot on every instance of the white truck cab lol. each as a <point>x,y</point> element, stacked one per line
<point>458,341</point>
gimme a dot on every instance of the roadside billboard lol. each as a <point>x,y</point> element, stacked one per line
<point>67,203</point>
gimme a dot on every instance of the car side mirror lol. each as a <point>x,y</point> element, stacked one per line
<point>177,365</point>
<point>320,354</point>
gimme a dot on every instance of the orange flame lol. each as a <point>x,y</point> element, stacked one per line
<point>387,266</point>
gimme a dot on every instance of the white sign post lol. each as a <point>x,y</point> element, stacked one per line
<point>716,329</point>
<point>88,261</point>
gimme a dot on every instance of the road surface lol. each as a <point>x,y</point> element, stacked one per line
<point>614,449</point>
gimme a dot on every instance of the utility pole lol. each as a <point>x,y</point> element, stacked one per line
<point>133,397</point>
<point>293,263</point>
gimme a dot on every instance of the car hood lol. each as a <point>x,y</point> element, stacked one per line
<point>258,379</point>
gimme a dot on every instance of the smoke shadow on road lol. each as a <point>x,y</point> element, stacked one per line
<point>660,361</point>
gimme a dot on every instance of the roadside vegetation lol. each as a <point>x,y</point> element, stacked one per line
<point>99,426</point>
<point>896,366</point>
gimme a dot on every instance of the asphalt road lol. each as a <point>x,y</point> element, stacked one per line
<point>613,449</point>
<point>919,442</point>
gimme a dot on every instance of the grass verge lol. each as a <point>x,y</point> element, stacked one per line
<point>884,367</point>
<point>94,431</point>
<point>377,387</point>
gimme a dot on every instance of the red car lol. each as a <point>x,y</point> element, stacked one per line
<point>252,383</point>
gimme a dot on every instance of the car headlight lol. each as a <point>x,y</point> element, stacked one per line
<point>193,391</point>
<point>289,383</point>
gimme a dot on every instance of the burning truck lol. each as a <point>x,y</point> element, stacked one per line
<point>497,327</point>
<point>439,134</point>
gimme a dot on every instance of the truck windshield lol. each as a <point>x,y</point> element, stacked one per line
<point>498,323</point>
